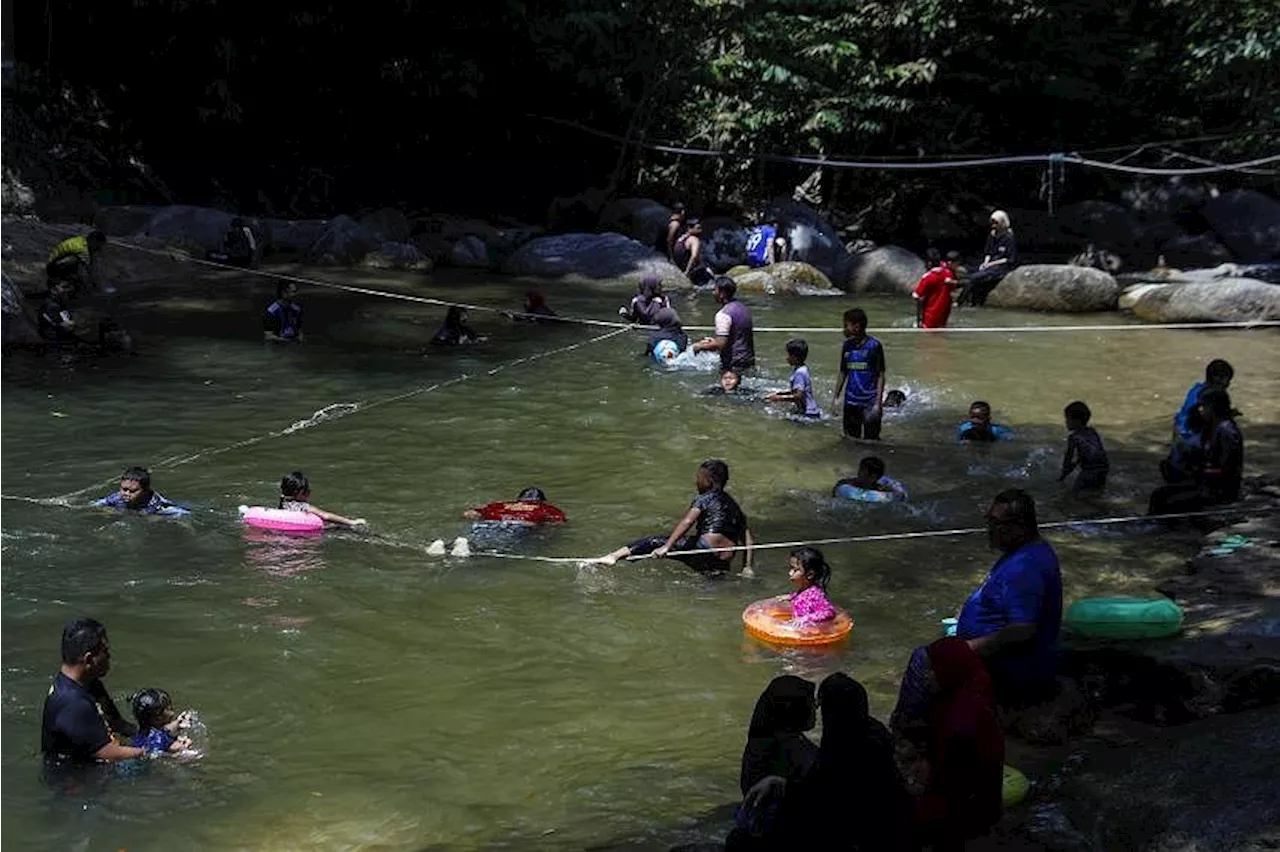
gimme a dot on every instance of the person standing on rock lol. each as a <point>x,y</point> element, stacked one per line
<point>675,227</point>
<point>1000,257</point>
<point>734,339</point>
<point>933,292</point>
<point>75,260</point>
<point>687,254</point>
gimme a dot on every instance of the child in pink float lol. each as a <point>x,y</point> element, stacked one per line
<point>809,573</point>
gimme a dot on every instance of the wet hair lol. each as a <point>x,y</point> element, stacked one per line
<point>856,316</point>
<point>294,484</point>
<point>1218,369</point>
<point>726,285</point>
<point>798,349</point>
<point>81,636</point>
<point>1079,412</point>
<point>894,397</point>
<point>1020,507</point>
<point>139,475</point>
<point>953,256</point>
<point>932,256</point>
<point>737,377</point>
<point>814,564</point>
<point>977,403</point>
<point>96,239</point>
<point>149,706</point>
<point>1217,401</point>
<point>533,493</point>
<point>717,471</point>
<point>873,465</point>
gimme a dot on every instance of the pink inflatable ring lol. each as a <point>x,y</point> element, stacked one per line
<point>281,520</point>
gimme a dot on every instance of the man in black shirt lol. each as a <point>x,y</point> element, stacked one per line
<point>81,722</point>
<point>999,259</point>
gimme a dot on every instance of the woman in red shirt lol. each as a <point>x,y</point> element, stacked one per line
<point>933,292</point>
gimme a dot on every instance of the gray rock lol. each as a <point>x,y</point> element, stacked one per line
<point>1173,198</point>
<point>1248,222</point>
<point>1066,289</point>
<point>641,219</point>
<point>1226,300</point>
<point>16,198</point>
<point>388,223</point>
<point>18,324</point>
<point>343,242</point>
<point>888,269</point>
<point>1197,250</point>
<point>1106,225</point>
<point>123,220</point>
<point>397,256</point>
<point>791,278</point>
<point>593,257</point>
<point>724,243</point>
<point>470,251</point>
<point>814,240</point>
<point>188,227</point>
<point>291,236</point>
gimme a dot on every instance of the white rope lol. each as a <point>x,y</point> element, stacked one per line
<point>959,531</point>
<point>1015,329</point>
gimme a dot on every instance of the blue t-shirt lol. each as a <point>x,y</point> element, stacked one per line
<point>800,381</point>
<point>862,365</point>
<point>1182,421</point>
<point>285,321</point>
<point>154,740</point>
<point>970,431</point>
<point>157,505</point>
<point>1023,587</point>
<point>758,244</point>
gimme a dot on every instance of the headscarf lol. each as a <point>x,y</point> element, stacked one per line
<point>776,744</point>
<point>453,319</point>
<point>650,286</point>
<point>667,318</point>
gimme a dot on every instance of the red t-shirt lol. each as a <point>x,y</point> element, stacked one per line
<point>525,512</point>
<point>934,292</point>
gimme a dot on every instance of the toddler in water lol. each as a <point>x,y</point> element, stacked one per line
<point>1084,450</point>
<point>809,573</point>
<point>295,492</point>
<point>158,725</point>
<point>800,394</point>
<point>979,426</point>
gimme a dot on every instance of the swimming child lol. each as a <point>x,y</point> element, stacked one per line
<point>979,426</point>
<point>871,477</point>
<point>136,495</point>
<point>1084,450</point>
<point>809,573</point>
<point>895,398</point>
<point>530,508</point>
<point>730,384</point>
<point>535,309</point>
<point>158,725</point>
<point>455,331</point>
<point>801,392</point>
<point>295,494</point>
<point>283,319</point>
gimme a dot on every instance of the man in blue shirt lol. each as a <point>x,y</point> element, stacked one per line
<point>1012,620</point>
<point>135,495</point>
<point>861,378</point>
<point>767,244</point>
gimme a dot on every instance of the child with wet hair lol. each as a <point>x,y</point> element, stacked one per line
<point>158,724</point>
<point>979,428</point>
<point>809,573</point>
<point>1084,450</point>
<point>295,496</point>
<point>800,394</point>
<point>871,477</point>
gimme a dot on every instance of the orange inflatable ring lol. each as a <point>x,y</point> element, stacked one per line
<point>770,620</point>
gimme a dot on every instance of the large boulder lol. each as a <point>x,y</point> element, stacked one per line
<point>1065,289</point>
<point>1225,300</point>
<point>18,326</point>
<point>1176,198</point>
<point>814,240</point>
<point>724,243</point>
<point>1198,250</point>
<point>791,278</point>
<point>343,241</point>
<point>388,223</point>
<point>641,219</point>
<point>291,236</point>
<point>1248,222</point>
<point>470,251</point>
<point>592,257</point>
<point>397,256</point>
<point>123,220</point>
<point>193,228</point>
<point>1106,225</point>
<point>888,269</point>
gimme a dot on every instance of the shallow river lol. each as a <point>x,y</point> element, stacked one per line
<point>360,694</point>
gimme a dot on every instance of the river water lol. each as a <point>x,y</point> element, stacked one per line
<point>360,694</point>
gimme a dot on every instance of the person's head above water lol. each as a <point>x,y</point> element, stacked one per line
<point>1219,373</point>
<point>855,323</point>
<point>807,567</point>
<point>786,706</point>
<point>532,494</point>
<point>797,352</point>
<point>295,486</point>
<point>455,317</point>
<point>1011,520</point>
<point>980,413</point>
<point>152,708</point>
<point>871,469</point>
<point>135,486</point>
<point>85,648</point>
<point>1077,415</point>
<point>894,398</point>
<point>713,475</point>
<point>729,380</point>
<point>726,289</point>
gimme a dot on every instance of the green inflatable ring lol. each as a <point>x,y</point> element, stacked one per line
<point>1124,618</point>
<point>1016,787</point>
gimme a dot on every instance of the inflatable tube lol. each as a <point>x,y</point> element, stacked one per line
<point>1124,618</point>
<point>665,350</point>
<point>770,620</point>
<point>281,520</point>
<point>867,495</point>
<point>1015,788</point>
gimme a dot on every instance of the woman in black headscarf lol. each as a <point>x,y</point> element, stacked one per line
<point>776,744</point>
<point>669,328</point>
<point>455,330</point>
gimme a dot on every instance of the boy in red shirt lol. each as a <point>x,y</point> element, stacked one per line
<point>933,292</point>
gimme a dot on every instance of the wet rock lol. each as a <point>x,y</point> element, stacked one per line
<point>724,243</point>
<point>1194,251</point>
<point>291,236</point>
<point>814,240</point>
<point>1106,225</point>
<point>1066,289</point>
<point>397,256</point>
<point>1176,198</point>
<point>388,223</point>
<point>594,257</point>
<point>195,229</point>
<point>577,212</point>
<point>1247,222</point>
<point>470,251</point>
<point>19,326</point>
<point>888,269</point>
<point>124,220</point>
<point>1225,300</point>
<point>791,278</point>
<point>641,219</point>
<point>343,241</point>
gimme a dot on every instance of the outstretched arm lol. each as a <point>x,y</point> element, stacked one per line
<point>331,518</point>
<point>686,523</point>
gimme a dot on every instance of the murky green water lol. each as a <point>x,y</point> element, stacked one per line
<point>359,694</point>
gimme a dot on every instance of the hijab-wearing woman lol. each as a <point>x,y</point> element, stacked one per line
<point>776,744</point>
<point>455,330</point>
<point>669,328</point>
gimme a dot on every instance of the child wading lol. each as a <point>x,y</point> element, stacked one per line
<point>1084,450</point>
<point>800,393</point>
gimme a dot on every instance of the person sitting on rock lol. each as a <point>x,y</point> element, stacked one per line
<point>75,260</point>
<point>1187,453</point>
<point>1000,257</point>
<point>1219,479</point>
<point>688,254</point>
<point>767,244</point>
<point>239,246</point>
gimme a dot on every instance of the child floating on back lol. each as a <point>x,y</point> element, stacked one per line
<point>158,725</point>
<point>800,394</point>
<point>1084,450</point>
<point>979,427</point>
<point>871,477</point>
<point>295,496</point>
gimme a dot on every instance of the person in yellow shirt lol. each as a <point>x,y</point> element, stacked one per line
<point>74,260</point>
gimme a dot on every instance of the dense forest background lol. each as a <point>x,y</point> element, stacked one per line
<point>317,108</point>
